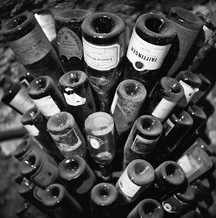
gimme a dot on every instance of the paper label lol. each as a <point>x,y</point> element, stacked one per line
<point>74,99</point>
<point>163,109</point>
<point>32,130</point>
<point>47,106</point>
<point>127,186</point>
<point>188,90</point>
<point>69,43</point>
<point>168,126</point>
<point>31,47</point>
<point>101,57</point>
<point>144,55</point>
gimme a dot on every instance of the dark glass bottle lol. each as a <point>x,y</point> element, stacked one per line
<point>66,134</point>
<point>16,96</point>
<point>78,95</point>
<point>31,46</point>
<point>192,214</point>
<point>104,201</point>
<point>142,139</point>
<point>188,27</point>
<point>47,96</point>
<point>169,178</point>
<point>151,39</point>
<point>39,168</point>
<point>179,203</point>
<point>60,202</point>
<point>127,104</point>
<point>174,129</point>
<point>147,208</point>
<point>164,97</point>
<point>135,179</point>
<point>190,83</point>
<point>103,47</point>
<point>36,124</point>
<point>68,24</point>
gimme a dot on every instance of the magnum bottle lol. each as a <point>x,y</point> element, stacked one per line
<point>31,46</point>
<point>103,47</point>
<point>142,139</point>
<point>151,39</point>
<point>47,96</point>
<point>68,24</point>
<point>78,95</point>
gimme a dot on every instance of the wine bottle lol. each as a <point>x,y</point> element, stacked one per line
<point>78,95</point>
<point>164,97</point>
<point>16,97</point>
<point>31,46</point>
<point>127,104</point>
<point>66,134</point>
<point>148,208</point>
<point>36,124</point>
<point>188,27</point>
<point>47,96</point>
<point>68,24</point>
<point>60,202</point>
<point>151,39</point>
<point>103,200</point>
<point>135,179</point>
<point>103,48</point>
<point>142,139</point>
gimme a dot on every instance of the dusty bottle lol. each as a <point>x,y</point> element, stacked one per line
<point>188,27</point>
<point>31,46</point>
<point>100,134</point>
<point>164,97</point>
<point>148,208</point>
<point>36,124</point>
<point>151,39</point>
<point>103,200</point>
<point>142,139</point>
<point>78,94</point>
<point>66,134</point>
<point>68,24</point>
<point>103,48</point>
<point>127,104</point>
<point>190,83</point>
<point>136,178</point>
<point>60,202</point>
<point>47,96</point>
<point>16,96</point>
<point>169,178</point>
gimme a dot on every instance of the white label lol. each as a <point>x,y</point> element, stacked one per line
<point>168,126</point>
<point>188,90</point>
<point>144,55</point>
<point>47,106</point>
<point>22,102</point>
<point>127,186</point>
<point>74,99</point>
<point>69,43</point>
<point>114,102</point>
<point>31,47</point>
<point>163,109</point>
<point>47,24</point>
<point>101,57</point>
<point>32,130</point>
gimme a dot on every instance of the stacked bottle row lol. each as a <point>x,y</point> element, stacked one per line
<point>98,105</point>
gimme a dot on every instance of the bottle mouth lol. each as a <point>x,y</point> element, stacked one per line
<point>183,117</point>
<point>22,148</point>
<point>195,110</point>
<point>73,78</point>
<point>149,207</point>
<point>155,25</point>
<point>188,75</point>
<point>171,85</point>
<point>38,85</point>
<point>29,115</point>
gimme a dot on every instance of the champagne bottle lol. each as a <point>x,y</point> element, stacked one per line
<point>164,97</point>
<point>151,39</point>
<point>31,46</point>
<point>77,91</point>
<point>47,96</point>
<point>16,97</point>
<point>68,24</point>
<point>103,200</point>
<point>148,208</point>
<point>142,139</point>
<point>135,179</point>
<point>103,48</point>
<point>66,134</point>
